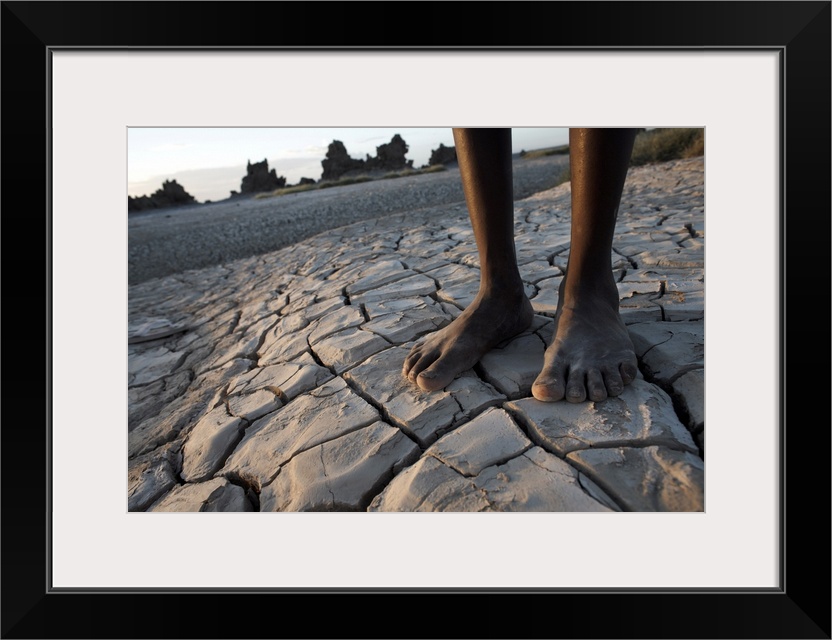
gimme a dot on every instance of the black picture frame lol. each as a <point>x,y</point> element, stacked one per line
<point>799,608</point>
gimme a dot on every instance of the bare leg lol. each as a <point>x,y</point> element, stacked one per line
<point>591,355</point>
<point>501,309</point>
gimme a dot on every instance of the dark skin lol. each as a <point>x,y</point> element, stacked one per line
<point>591,355</point>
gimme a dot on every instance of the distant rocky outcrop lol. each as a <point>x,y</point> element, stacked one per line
<point>258,178</point>
<point>304,181</point>
<point>171,194</point>
<point>442,155</point>
<point>389,157</point>
<point>338,162</point>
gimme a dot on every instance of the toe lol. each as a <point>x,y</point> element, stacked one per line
<point>411,359</point>
<point>548,389</point>
<point>614,383</point>
<point>549,386</point>
<point>426,360</point>
<point>629,371</point>
<point>438,376</point>
<point>596,390</point>
<point>575,387</point>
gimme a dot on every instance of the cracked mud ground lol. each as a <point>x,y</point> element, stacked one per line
<point>278,386</point>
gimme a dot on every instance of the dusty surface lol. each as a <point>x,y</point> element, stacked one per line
<point>169,241</point>
<point>278,386</point>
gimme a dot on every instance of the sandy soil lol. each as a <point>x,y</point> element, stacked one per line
<point>169,241</point>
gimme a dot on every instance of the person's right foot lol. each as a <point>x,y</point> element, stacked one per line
<point>489,320</point>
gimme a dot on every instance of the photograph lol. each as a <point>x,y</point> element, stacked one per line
<point>415,317</point>
<point>512,321</point>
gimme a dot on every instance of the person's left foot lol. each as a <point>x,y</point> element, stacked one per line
<point>591,355</point>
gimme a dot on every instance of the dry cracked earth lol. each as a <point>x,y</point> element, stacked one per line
<point>278,386</point>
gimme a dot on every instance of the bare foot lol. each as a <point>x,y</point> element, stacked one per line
<point>486,322</point>
<point>591,355</point>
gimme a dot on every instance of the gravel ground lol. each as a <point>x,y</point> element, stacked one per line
<point>170,241</point>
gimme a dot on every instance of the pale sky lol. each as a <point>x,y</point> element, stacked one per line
<point>210,162</point>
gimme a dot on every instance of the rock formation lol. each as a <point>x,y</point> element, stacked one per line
<point>442,155</point>
<point>170,195</point>
<point>338,162</point>
<point>389,157</point>
<point>258,178</point>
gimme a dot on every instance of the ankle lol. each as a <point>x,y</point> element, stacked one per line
<point>504,292</point>
<point>603,289</point>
